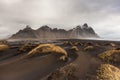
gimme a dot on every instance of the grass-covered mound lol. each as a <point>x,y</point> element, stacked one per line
<point>64,73</point>
<point>113,44</point>
<point>26,47</point>
<point>110,56</point>
<point>3,41</point>
<point>110,44</point>
<point>88,44</point>
<point>78,44</point>
<point>49,48</point>
<point>107,72</point>
<point>68,43</point>
<point>74,48</point>
<point>89,48</point>
<point>3,47</point>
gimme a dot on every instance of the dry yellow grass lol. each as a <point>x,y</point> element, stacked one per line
<point>74,48</point>
<point>3,42</point>
<point>89,48</point>
<point>64,73</point>
<point>107,72</point>
<point>88,44</point>
<point>4,47</point>
<point>67,43</point>
<point>49,48</point>
<point>25,47</point>
<point>78,44</point>
<point>113,44</point>
<point>110,44</point>
<point>110,56</point>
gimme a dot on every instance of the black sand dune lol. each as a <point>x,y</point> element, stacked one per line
<point>15,65</point>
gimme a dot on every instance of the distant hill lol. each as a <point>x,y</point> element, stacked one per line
<point>44,32</point>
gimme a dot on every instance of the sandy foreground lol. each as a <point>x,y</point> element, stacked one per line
<point>14,65</point>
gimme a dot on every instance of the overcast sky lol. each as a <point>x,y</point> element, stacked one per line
<point>102,15</point>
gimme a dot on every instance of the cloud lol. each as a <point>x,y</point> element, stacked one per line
<point>102,15</point>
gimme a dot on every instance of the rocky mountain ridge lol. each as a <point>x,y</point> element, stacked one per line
<point>44,32</point>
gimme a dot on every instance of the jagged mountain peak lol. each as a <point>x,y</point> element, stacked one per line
<point>78,27</point>
<point>85,25</point>
<point>45,27</point>
<point>27,27</point>
<point>55,29</point>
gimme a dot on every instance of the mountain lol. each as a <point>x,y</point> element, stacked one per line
<point>27,32</point>
<point>44,32</point>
